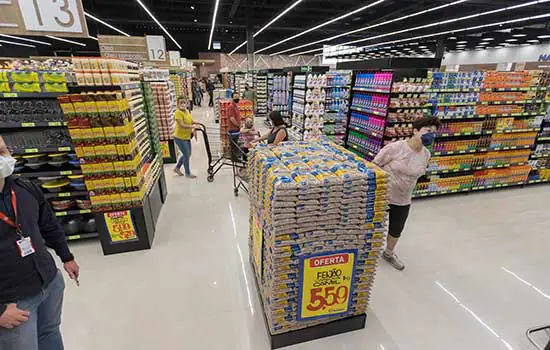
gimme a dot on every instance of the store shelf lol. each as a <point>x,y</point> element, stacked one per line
<point>481,150</point>
<point>479,188</point>
<point>31,125</point>
<point>32,94</point>
<point>543,138</point>
<point>361,150</point>
<point>368,110</point>
<point>475,168</point>
<point>65,194</point>
<point>489,103</point>
<point>538,156</point>
<point>367,132</point>
<point>481,116</point>
<point>72,212</point>
<point>32,173</point>
<point>486,132</point>
<point>42,150</point>
<point>533,88</point>
<point>82,236</point>
<point>380,91</point>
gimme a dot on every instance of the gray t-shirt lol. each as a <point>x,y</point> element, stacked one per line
<point>405,166</point>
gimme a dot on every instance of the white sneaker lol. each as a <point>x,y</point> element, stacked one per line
<point>394,261</point>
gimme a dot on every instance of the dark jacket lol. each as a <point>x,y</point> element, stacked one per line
<point>24,277</point>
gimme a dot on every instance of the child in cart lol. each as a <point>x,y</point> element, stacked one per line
<point>248,134</point>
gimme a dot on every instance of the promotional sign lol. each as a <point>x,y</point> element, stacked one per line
<point>132,48</point>
<point>43,17</point>
<point>257,245</point>
<point>326,284</point>
<point>156,48</point>
<point>120,225</point>
<point>165,149</point>
<point>175,58</point>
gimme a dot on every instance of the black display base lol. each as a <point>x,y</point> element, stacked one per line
<point>144,221</point>
<point>163,186</point>
<point>172,159</point>
<point>282,340</point>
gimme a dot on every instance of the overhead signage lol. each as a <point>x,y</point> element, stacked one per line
<point>43,17</point>
<point>326,284</point>
<point>175,58</point>
<point>216,45</point>
<point>156,48</point>
<point>132,48</point>
<point>544,58</point>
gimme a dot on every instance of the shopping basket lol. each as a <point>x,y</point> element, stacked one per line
<point>540,337</point>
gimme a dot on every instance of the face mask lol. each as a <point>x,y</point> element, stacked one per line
<point>7,164</point>
<point>428,138</point>
<point>236,100</point>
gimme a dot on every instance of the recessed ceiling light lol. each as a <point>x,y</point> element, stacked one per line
<point>422,47</point>
<point>519,35</point>
<point>487,39</point>
<point>452,38</point>
<point>511,40</point>
<point>543,36</point>
<point>192,7</point>
<point>195,20</point>
<point>461,42</point>
<point>532,41</point>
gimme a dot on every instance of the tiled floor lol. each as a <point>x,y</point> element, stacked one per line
<point>476,278</point>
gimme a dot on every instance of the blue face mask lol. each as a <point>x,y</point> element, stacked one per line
<point>428,138</point>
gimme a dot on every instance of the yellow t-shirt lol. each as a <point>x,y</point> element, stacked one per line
<point>183,133</point>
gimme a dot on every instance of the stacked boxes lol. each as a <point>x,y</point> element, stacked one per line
<point>165,106</point>
<point>103,136</point>
<point>310,200</point>
<point>149,110</point>
<point>95,71</point>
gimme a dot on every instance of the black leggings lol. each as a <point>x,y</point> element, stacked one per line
<point>398,218</point>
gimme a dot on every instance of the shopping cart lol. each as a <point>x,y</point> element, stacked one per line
<point>214,151</point>
<point>540,337</point>
<point>239,163</point>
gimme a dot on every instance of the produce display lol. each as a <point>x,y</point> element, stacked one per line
<point>308,106</point>
<point>317,218</point>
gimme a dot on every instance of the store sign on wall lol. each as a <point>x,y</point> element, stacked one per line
<point>326,284</point>
<point>43,17</point>
<point>120,225</point>
<point>544,58</point>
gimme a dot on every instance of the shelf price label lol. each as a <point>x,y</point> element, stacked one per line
<point>326,284</point>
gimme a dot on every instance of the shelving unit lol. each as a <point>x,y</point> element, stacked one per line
<point>278,84</point>
<point>308,105</point>
<point>337,105</point>
<point>34,129</point>
<point>261,94</point>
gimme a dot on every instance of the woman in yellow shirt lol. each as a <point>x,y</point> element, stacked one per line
<point>185,126</point>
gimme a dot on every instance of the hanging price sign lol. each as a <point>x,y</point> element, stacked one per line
<point>120,225</point>
<point>326,284</point>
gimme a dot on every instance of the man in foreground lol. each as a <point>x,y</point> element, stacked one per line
<point>31,286</point>
<point>405,162</point>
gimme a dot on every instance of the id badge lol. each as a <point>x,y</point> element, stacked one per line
<point>25,246</point>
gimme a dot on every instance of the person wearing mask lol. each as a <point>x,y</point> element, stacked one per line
<point>278,133</point>
<point>405,162</point>
<point>185,126</point>
<point>234,117</point>
<point>210,89</point>
<point>31,286</point>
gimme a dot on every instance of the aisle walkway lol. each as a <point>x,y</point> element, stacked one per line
<point>476,277</point>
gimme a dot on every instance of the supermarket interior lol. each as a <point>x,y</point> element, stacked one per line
<point>264,174</point>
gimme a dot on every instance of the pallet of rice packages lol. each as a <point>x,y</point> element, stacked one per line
<point>318,222</point>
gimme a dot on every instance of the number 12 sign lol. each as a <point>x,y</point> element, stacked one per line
<point>326,283</point>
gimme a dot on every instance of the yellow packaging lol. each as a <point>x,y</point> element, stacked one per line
<point>97,168</point>
<point>110,150</point>
<point>99,150</point>
<point>86,134</point>
<point>88,151</point>
<point>109,131</point>
<point>109,182</point>
<point>118,182</point>
<point>91,184</point>
<point>120,131</point>
<point>127,182</point>
<point>98,133</point>
<point>108,167</point>
<point>86,168</point>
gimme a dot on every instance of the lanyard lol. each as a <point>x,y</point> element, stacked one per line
<point>5,218</point>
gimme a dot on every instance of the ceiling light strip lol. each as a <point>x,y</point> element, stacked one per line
<point>452,31</point>
<point>268,24</point>
<point>216,6</point>
<point>65,40</point>
<point>14,43</point>
<point>159,24</point>
<point>105,23</point>
<point>373,26</point>
<point>93,37</point>
<point>321,25</point>
<point>25,39</point>
<point>509,8</point>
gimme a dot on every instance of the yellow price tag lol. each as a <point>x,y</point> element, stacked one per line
<point>73,237</point>
<point>61,213</point>
<point>10,94</point>
<point>326,284</point>
<point>64,149</point>
<point>54,124</point>
<point>66,172</point>
<point>27,125</point>
<point>31,150</point>
<point>65,194</point>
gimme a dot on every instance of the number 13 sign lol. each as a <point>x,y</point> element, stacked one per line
<point>56,16</point>
<point>326,283</point>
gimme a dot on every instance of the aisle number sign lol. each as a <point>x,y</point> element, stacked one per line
<point>156,47</point>
<point>43,17</point>
<point>326,284</point>
<point>174,58</point>
<point>120,225</point>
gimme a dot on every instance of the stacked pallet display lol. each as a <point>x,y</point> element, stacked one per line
<point>317,226</point>
<point>34,129</point>
<point>308,106</point>
<point>337,105</point>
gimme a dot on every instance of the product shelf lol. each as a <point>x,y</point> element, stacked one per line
<point>472,168</point>
<point>82,236</point>
<point>65,194</point>
<point>482,116</point>
<point>73,212</point>
<point>481,150</point>
<point>42,95</point>
<point>368,110</point>
<point>479,188</point>
<point>32,125</point>
<point>19,151</point>
<point>531,88</point>
<point>366,131</point>
<point>31,173</point>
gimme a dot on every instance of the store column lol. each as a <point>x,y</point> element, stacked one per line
<point>250,48</point>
